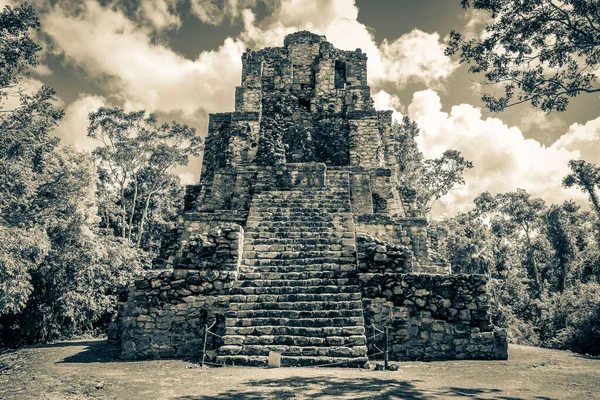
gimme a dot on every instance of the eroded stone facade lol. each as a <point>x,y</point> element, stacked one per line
<point>296,238</point>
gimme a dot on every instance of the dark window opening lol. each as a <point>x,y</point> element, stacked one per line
<point>304,103</point>
<point>340,75</point>
<point>379,204</point>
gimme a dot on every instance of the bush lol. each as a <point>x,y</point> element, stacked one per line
<point>571,320</point>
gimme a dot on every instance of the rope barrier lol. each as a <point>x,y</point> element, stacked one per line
<point>377,333</point>
<point>214,334</point>
<point>376,329</point>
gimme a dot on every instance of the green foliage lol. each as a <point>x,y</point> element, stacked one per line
<point>18,51</point>
<point>541,51</point>
<point>21,251</point>
<point>515,215</point>
<point>585,176</point>
<point>58,275</point>
<point>25,120</point>
<point>507,235</point>
<point>136,159</point>
<point>571,319</point>
<point>62,275</point>
<point>429,179</point>
<point>467,243</point>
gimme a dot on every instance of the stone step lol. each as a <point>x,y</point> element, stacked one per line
<point>315,322</point>
<point>295,226</point>
<point>288,212</point>
<point>299,261</point>
<point>257,241</point>
<point>284,297</point>
<point>292,275</point>
<point>302,197</point>
<point>300,221</point>
<point>295,331</point>
<point>324,193</point>
<point>296,234</point>
<point>298,305</point>
<point>294,290</point>
<point>296,282</point>
<point>316,205</point>
<point>289,340</point>
<point>347,268</point>
<point>293,211</point>
<point>291,361</point>
<point>263,350</point>
<point>294,314</point>
<point>295,255</point>
<point>250,246</point>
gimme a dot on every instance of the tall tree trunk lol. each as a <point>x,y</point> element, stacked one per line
<point>144,213</point>
<point>135,193</point>
<point>594,198</point>
<point>123,211</point>
<point>533,269</point>
<point>535,275</point>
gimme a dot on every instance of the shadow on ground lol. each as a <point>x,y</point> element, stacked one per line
<point>95,351</point>
<point>313,387</point>
<point>355,388</point>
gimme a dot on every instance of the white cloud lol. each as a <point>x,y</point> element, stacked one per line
<point>415,57</point>
<point>73,128</point>
<point>475,26</point>
<point>214,12</point>
<point>503,159</point>
<point>160,13</point>
<point>42,70</point>
<point>583,138</point>
<point>121,55</point>
<point>106,43</point>
<point>188,178</point>
<point>384,101</point>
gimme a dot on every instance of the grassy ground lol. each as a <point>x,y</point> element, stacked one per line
<point>88,369</point>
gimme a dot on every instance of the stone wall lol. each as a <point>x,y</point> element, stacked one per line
<point>162,313</point>
<point>376,256</point>
<point>433,317</point>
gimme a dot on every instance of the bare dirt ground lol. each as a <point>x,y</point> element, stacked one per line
<point>88,369</point>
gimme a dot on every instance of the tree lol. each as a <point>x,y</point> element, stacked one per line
<point>544,52</point>
<point>586,176</point>
<point>138,154</point>
<point>430,179</point>
<point>58,276</point>
<point>563,242</point>
<point>466,243</point>
<point>25,123</point>
<point>516,213</point>
<point>18,51</point>
<point>71,285</point>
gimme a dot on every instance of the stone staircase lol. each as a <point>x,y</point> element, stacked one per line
<point>297,291</point>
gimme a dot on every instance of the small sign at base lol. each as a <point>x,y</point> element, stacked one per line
<point>274,359</point>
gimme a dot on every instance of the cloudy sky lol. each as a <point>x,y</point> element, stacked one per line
<point>181,58</point>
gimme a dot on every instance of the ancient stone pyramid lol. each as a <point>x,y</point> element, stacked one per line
<point>297,232</point>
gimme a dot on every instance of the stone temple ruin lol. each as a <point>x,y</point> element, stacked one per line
<point>297,240</point>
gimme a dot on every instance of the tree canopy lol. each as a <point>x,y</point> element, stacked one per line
<point>136,158</point>
<point>542,52</point>
<point>428,179</point>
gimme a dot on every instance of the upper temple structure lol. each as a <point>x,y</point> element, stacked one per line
<point>297,239</point>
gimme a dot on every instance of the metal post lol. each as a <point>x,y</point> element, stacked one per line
<point>204,344</point>
<point>385,348</point>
